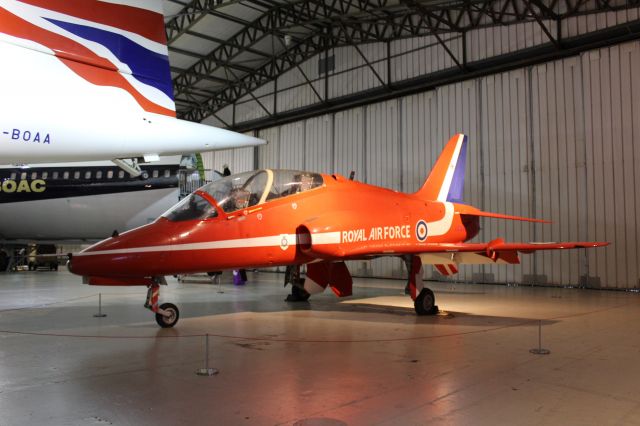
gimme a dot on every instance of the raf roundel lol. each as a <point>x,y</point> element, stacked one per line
<point>421,230</point>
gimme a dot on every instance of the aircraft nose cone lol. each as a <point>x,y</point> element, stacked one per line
<point>133,253</point>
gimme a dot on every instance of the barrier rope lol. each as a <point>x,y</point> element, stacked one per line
<point>289,340</point>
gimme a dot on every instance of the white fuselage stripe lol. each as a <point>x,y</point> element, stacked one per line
<point>442,226</point>
<point>448,177</point>
<point>326,238</point>
<point>269,241</point>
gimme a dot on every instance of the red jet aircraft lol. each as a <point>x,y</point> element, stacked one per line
<point>282,217</point>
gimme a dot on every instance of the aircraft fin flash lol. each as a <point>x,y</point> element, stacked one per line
<point>292,218</point>
<point>446,180</point>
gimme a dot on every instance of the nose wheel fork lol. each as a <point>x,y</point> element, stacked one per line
<point>167,314</point>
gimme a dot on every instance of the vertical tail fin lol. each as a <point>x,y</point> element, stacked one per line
<point>106,43</point>
<point>446,180</point>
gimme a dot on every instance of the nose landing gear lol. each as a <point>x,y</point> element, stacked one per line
<point>167,314</point>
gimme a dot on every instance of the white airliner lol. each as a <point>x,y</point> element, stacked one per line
<point>84,80</point>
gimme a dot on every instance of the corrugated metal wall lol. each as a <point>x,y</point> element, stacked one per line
<point>238,160</point>
<point>557,141</point>
<point>362,68</point>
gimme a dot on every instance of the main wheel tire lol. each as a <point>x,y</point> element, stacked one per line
<point>298,294</point>
<point>425,303</point>
<point>172,319</point>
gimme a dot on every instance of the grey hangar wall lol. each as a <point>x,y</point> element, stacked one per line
<point>558,141</point>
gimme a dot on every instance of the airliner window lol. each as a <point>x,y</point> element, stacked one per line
<point>193,207</point>
<point>23,176</point>
<point>34,175</point>
<point>99,174</point>
<point>65,175</point>
<point>110,174</point>
<point>13,176</point>
<point>120,174</point>
<point>156,173</point>
<point>76,174</point>
<point>55,175</point>
<point>167,173</point>
<point>87,174</point>
<point>45,175</point>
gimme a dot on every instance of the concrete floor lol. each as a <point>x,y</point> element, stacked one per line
<point>368,360</point>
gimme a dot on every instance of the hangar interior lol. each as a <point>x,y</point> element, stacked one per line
<point>548,93</point>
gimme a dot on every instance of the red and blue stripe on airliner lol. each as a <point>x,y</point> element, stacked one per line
<point>147,67</point>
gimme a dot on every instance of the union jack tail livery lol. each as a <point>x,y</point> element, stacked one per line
<point>106,44</point>
<point>88,80</point>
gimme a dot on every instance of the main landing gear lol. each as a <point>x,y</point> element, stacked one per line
<point>167,314</point>
<point>298,293</point>
<point>424,301</point>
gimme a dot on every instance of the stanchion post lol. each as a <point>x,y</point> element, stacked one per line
<point>219,282</point>
<point>100,314</point>
<point>540,350</point>
<point>206,371</point>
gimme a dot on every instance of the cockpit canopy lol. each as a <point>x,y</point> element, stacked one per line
<point>237,192</point>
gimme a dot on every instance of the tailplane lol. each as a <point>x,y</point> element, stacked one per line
<point>446,180</point>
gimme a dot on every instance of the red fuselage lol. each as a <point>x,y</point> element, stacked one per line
<point>341,219</point>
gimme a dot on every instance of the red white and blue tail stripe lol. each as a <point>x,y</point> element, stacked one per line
<point>446,180</point>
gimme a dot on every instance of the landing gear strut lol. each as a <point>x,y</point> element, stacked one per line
<point>298,293</point>
<point>424,301</point>
<point>167,314</point>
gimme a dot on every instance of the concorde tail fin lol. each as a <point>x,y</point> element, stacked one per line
<point>106,43</point>
<point>446,180</point>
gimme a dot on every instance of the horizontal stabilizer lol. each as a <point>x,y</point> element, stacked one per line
<point>508,217</point>
<point>464,209</point>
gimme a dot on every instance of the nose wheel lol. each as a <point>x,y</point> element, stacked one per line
<point>167,314</point>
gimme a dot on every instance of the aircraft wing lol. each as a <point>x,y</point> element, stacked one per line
<point>447,256</point>
<point>446,262</point>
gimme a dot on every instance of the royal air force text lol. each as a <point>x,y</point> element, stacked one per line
<point>20,135</point>
<point>376,234</point>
